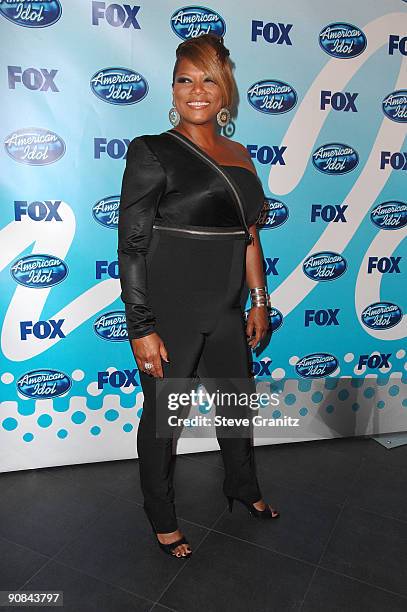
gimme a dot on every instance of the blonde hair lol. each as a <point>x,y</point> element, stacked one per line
<point>208,53</point>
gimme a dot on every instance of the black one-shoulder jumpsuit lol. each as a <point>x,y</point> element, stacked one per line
<point>187,287</point>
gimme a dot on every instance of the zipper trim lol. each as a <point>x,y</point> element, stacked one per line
<point>220,171</point>
<point>181,229</point>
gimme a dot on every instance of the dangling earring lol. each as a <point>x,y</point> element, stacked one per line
<point>174,115</point>
<point>223,116</point>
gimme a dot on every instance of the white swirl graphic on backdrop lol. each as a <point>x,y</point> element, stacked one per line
<point>300,142</point>
<point>27,303</point>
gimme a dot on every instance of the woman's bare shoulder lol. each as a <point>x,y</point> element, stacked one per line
<point>239,151</point>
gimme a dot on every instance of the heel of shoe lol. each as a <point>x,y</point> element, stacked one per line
<point>261,514</point>
<point>231,499</point>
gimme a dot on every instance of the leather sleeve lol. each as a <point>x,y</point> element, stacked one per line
<point>143,184</point>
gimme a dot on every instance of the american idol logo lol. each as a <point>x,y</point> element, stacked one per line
<point>335,158</point>
<point>390,215</point>
<point>395,106</point>
<point>276,318</point>
<point>31,13</point>
<point>111,326</point>
<point>324,266</point>
<point>272,97</point>
<point>106,211</point>
<point>273,214</point>
<point>381,315</point>
<point>119,85</point>
<point>34,146</point>
<point>38,271</point>
<point>316,365</point>
<point>193,21</point>
<point>342,40</point>
<point>41,384</point>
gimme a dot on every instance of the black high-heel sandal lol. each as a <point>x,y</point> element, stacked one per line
<point>168,548</point>
<point>267,513</point>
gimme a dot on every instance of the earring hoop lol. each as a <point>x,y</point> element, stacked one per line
<point>223,116</point>
<point>174,116</point>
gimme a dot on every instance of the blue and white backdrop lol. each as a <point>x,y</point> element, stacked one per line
<point>323,113</point>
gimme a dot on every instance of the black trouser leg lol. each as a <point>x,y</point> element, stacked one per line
<point>226,356</point>
<point>156,461</point>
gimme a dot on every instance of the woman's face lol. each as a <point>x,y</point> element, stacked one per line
<point>192,86</point>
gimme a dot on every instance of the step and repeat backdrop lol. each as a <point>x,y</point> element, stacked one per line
<point>323,113</point>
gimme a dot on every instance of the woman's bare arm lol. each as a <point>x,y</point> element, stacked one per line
<point>257,322</point>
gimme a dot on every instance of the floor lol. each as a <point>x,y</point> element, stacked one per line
<point>339,544</point>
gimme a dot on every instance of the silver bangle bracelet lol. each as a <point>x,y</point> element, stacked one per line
<point>259,296</point>
<point>259,289</point>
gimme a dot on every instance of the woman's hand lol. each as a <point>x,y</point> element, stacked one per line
<point>150,348</point>
<point>257,324</point>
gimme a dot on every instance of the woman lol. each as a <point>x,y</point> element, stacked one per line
<point>180,227</point>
